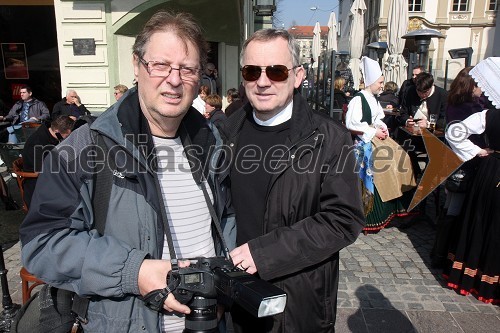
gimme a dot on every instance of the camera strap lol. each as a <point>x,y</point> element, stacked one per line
<point>215,219</point>
<point>203,182</point>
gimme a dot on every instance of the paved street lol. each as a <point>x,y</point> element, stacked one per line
<point>386,285</point>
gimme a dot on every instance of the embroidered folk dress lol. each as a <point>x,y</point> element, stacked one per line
<point>473,264</point>
<point>378,212</point>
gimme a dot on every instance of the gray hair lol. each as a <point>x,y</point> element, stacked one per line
<point>182,24</point>
<point>266,35</point>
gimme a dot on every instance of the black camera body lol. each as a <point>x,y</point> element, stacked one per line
<point>211,281</point>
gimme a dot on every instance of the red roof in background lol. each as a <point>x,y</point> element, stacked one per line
<point>307,31</point>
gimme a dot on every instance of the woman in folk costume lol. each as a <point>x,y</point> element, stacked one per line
<point>473,265</point>
<point>384,167</point>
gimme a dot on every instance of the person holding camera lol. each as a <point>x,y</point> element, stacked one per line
<point>296,196</point>
<point>163,191</point>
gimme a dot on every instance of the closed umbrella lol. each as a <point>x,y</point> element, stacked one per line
<point>316,47</point>
<point>332,32</point>
<point>356,39</point>
<point>397,23</point>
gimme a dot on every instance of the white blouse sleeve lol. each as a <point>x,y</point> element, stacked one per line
<point>457,135</point>
<point>353,120</point>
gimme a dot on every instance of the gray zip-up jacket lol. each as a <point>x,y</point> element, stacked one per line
<point>37,109</point>
<point>60,245</point>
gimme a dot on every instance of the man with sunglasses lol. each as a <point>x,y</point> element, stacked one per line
<point>294,189</point>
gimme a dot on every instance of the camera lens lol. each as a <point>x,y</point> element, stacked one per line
<point>203,316</point>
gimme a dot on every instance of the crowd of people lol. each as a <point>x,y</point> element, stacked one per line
<point>261,180</point>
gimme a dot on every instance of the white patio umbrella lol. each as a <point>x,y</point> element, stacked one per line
<point>316,47</point>
<point>332,32</point>
<point>397,26</point>
<point>356,39</point>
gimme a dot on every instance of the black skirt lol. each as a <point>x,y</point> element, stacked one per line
<point>473,260</point>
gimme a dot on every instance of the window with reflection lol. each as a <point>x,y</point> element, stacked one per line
<point>493,5</point>
<point>415,5</point>
<point>460,6</point>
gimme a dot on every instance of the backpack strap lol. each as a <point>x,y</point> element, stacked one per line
<point>103,182</point>
<point>102,185</point>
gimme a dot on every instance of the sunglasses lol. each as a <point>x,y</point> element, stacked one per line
<point>276,73</point>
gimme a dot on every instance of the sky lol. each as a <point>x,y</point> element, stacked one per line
<point>297,12</point>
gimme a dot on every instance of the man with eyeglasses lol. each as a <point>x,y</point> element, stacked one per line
<point>161,157</point>
<point>296,195</point>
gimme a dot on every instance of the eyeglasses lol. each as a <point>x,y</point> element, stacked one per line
<point>161,69</point>
<point>276,73</point>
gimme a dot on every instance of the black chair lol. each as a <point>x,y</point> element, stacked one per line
<point>9,152</point>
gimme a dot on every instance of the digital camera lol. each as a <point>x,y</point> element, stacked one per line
<point>211,281</point>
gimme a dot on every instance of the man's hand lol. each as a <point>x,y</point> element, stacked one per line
<point>77,101</point>
<point>153,275</point>
<point>422,123</point>
<point>243,259</point>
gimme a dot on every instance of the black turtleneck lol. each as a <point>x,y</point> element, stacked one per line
<point>256,158</point>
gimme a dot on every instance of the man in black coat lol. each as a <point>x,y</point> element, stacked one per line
<point>424,98</point>
<point>405,86</point>
<point>43,140</point>
<point>296,195</point>
<point>70,105</point>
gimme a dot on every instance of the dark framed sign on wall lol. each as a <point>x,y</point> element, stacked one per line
<point>15,63</point>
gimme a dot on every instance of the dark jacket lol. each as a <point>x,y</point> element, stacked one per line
<point>62,108</point>
<point>60,245</point>
<point>235,105</point>
<point>460,112</point>
<point>217,116</point>
<point>37,109</point>
<point>436,104</point>
<point>313,211</point>
<point>403,91</point>
<point>339,99</point>
<point>35,149</point>
<point>385,98</point>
